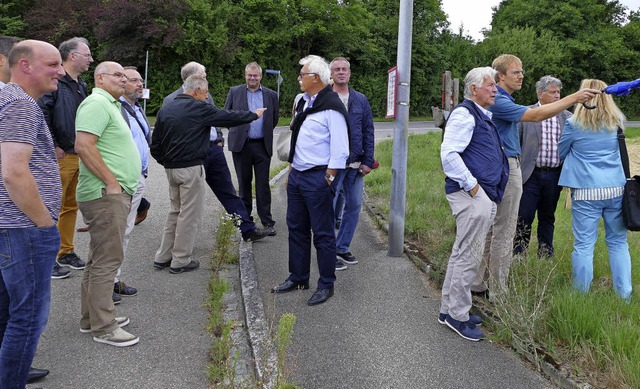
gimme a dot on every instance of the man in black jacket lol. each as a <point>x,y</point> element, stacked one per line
<point>180,143</point>
<point>59,110</point>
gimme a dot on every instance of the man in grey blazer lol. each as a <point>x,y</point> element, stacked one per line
<point>252,144</point>
<point>541,167</point>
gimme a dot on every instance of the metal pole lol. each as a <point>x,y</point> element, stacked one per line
<point>146,71</point>
<point>401,133</point>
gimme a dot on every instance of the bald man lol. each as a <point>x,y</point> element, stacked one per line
<point>109,169</point>
<point>30,192</point>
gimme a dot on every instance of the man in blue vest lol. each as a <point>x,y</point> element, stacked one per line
<point>477,171</point>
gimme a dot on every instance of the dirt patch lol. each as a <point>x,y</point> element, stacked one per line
<point>634,157</point>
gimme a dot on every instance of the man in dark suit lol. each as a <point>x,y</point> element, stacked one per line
<point>252,144</point>
<point>541,167</point>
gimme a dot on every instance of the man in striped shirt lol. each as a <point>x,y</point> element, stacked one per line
<point>541,165</point>
<point>30,193</point>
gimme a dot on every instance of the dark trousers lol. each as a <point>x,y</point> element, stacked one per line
<point>254,158</point>
<point>310,208</point>
<point>218,178</point>
<point>539,194</point>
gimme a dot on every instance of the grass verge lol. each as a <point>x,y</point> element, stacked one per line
<point>220,369</point>
<point>596,335</point>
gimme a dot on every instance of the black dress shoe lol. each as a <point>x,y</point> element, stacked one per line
<point>255,234</point>
<point>288,286</point>
<point>320,296</point>
<point>36,375</point>
<point>161,265</point>
<point>193,265</point>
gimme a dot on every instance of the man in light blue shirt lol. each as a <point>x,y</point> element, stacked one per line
<point>319,148</point>
<point>140,131</point>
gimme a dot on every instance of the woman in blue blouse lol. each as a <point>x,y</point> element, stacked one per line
<point>593,170</point>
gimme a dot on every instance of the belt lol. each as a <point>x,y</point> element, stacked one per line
<point>321,167</point>
<point>255,139</point>
<point>215,142</point>
<point>549,169</point>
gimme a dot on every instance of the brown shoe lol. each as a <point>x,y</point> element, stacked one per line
<point>82,229</point>
<point>140,216</point>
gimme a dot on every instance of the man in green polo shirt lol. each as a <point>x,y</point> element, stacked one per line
<point>108,178</point>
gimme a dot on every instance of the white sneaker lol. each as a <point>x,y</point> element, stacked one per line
<point>118,338</point>
<point>122,321</point>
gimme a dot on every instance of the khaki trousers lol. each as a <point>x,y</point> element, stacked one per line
<point>69,171</point>
<point>498,252</point>
<point>186,193</point>
<point>106,218</point>
<point>474,216</point>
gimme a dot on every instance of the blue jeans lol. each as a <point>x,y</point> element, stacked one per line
<point>26,259</point>
<point>310,208</point>
<point>586,215</point>
<point>351,184</point>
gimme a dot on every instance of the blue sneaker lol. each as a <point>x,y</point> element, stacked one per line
<point>465,329</point>
<point>473,319</point>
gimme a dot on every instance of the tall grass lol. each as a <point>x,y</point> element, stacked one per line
<point>596,334</point>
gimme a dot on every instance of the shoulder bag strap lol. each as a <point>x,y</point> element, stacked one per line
<point>624,155</point>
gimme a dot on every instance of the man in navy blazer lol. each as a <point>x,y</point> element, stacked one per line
<point>541,165</point>
<point>252,144</point>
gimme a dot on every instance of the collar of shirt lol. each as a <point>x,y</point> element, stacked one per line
<point>484,111</point>
<point>504,92</point>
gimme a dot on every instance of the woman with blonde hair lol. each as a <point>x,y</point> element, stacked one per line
<point>593,170</point>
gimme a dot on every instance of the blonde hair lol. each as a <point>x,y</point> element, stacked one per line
<point>502,62</point>
<point>605,115</point>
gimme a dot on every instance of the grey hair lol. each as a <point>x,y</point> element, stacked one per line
<point>339,59</point>
<point>253,65</point>
<point>70,45</point>
<point>194,82</point>
<point>6,44</point>
<point>547,81</point>
<point>476,77</point>
<point>319,66</point>
<point>190,69</point>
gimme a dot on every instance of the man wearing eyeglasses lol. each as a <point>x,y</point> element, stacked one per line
<point>319,148</point>
<point>59,110</point>
<point>494,268</point>
<point>141,132</point>
<point>107,181</point>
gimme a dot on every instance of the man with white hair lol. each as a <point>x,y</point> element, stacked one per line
<point>319,148</point>
<point>476,170</point>
<point>180,143</point>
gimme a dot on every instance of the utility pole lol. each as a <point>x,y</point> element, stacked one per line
<point>401,132</point>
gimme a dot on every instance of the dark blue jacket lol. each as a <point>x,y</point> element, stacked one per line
<point>484,156</point>
<point>362,131</point>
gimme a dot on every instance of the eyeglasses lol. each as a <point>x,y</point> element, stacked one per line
<point>83,54</point>
<point>117,75</point>
<point>302,74</point>
<point>518,73</point>
<point>135,80</point>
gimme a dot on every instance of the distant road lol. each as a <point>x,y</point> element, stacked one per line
<point>384,130</point>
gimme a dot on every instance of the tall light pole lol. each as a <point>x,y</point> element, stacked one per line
<point>401,132</point>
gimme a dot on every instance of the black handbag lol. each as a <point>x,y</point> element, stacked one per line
<point>631,195</point>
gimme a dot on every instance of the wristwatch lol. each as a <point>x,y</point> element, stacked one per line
<point>329,177</point>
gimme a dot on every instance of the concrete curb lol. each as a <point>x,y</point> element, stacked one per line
<point>264,354</point>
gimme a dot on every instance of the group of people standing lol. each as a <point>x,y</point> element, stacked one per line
<point>504,162</point>
<point>63,149</point>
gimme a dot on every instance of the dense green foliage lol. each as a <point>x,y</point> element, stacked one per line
<point>571,39</point>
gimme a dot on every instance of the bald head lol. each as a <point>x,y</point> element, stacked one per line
<point>36,67</point>
<point>111,77</point>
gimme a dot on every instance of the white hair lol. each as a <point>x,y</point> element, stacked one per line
<point>194,82</point>
<point>476,76</point>
<point>319,66</point>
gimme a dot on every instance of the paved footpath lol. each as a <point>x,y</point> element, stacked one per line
<point>168,314</point>
<point>379,330</point>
